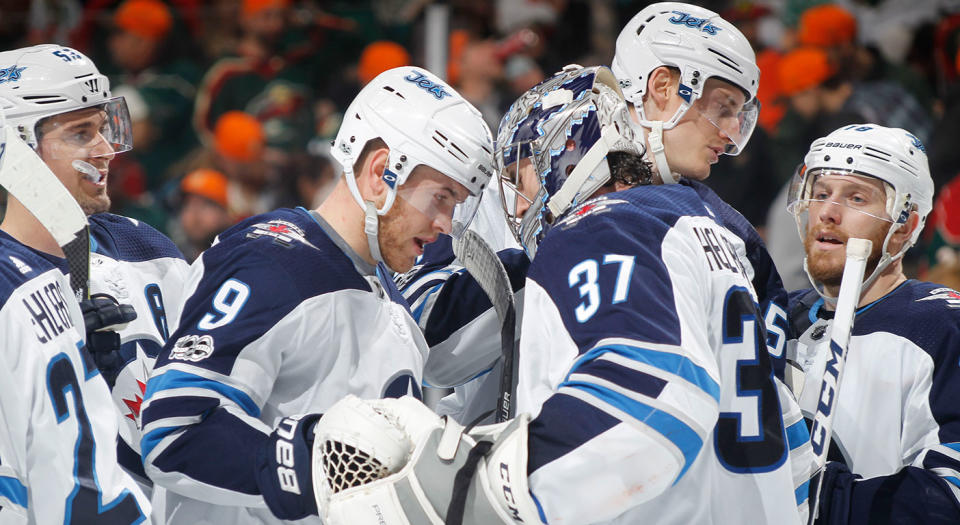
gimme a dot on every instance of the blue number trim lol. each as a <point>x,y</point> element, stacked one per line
<point>85,502</point>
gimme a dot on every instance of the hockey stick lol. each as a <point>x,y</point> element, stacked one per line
<point>485,267</point>
<point>857,252</point>
<point>27,178</point>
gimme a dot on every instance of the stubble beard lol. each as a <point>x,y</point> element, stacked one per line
<point>391,235</point>
<point>827,269</point>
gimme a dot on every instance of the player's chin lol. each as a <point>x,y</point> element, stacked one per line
<point>96,204</point>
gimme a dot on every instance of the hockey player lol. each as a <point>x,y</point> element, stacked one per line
<point>290,311</point>
<point>60,104</point>
<point>896,421</point>
<point>690,79</point>
<point>643,363</point>
<point>58,456</point>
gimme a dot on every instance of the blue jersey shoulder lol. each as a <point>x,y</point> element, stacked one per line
<point>19,264</point>
<point>125,239</point>
<point>285,244</point>
<point>926,313</point>
<point>604,257</point>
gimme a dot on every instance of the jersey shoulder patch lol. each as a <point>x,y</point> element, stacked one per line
<point>926,313</point>
<point>126,239</point>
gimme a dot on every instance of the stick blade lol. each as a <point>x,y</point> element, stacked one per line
<point>24,174</point>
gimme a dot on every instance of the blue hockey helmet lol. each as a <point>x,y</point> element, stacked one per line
<point>552,147</point>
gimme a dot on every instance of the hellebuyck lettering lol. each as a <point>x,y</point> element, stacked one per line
<point>719,252</point>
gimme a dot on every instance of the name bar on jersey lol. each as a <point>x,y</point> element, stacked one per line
<point>48,311</point>
<point>720,254</point>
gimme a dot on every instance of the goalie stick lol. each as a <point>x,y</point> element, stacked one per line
<point>27,178</point>
<point>847,300</point>
<point>485,267</point>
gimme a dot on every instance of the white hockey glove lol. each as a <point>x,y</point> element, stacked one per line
<point>395,462</point>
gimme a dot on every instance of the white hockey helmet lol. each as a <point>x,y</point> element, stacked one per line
<point>892,155</point>
<point>699,43</point>
<point>424,121</point>
<point>42,81</point>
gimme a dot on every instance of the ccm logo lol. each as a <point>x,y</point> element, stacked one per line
<point>508,493</point>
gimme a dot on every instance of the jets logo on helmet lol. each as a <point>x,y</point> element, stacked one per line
<point>691,21</point>
<point>422,81</point>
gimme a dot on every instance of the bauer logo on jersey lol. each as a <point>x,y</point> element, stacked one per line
<point>591,207</point>
<point>192,348</point>
<point>284,233</point>
<point>947,294</point>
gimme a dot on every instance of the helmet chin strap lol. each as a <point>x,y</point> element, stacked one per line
<point>371,217</point>
<point>657,151</point>
<point>371,227</point>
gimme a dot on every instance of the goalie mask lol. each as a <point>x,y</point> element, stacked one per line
<point>423,121</point>
<point>552,148</point>
<point>701,45</point>
<point>891,155</point>
<point>41,84</point>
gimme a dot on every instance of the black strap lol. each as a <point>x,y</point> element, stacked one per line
<point>461,483</point>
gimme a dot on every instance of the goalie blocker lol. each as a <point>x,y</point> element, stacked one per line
<point>393,461</point>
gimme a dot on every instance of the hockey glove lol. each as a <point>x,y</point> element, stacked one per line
<point>430,471</point>
<point>103,316</point>
<point>283,468</point>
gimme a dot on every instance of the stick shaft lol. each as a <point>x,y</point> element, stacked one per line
<point>858,250</point>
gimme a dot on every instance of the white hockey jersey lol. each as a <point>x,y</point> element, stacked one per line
<point>644,363</point>
<point>897,418</point>
<point>136,265</point>
<point>58,460</point>
<point>281,318</point>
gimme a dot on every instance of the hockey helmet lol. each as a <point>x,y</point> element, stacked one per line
<point>48,80</point>
<point>893,155</point>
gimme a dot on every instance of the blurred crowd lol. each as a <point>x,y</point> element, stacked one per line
<point>234,102</point>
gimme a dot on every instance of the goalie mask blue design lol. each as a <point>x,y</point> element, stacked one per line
<point>552,145</point>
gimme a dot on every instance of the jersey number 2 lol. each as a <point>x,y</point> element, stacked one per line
<point>751,439</point>
<point>85,503</point>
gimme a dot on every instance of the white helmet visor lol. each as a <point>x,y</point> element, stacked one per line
<point>726,114</point>
<point>95,131</point>
<point>443,200</point>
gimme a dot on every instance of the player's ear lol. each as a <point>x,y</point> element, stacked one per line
<point>370,181</point>
<point>904,232</point>
<point>660,86</point>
